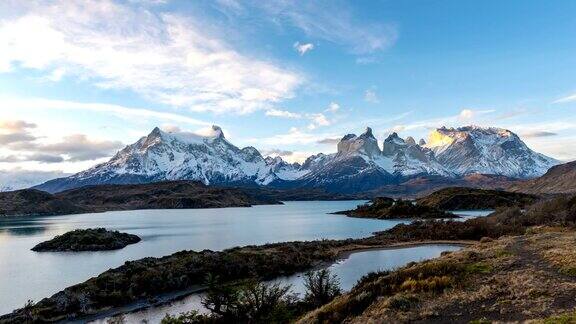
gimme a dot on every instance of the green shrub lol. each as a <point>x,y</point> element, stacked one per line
<point>478,267</point>
<point>321,287</point>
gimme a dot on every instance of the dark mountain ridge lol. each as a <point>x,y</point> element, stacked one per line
<point>159,195</point>
<point>560,179</point>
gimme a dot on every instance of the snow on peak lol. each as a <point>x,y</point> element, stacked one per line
<point>367,134</point>
<point>488,150</point>
<point>208,157</point>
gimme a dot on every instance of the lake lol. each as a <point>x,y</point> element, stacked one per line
<point>348,271</point>
<point>31,275</point>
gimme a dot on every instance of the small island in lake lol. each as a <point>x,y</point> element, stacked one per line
<point>92,239</point>
<point>461,198</point>
<point>388,208</point>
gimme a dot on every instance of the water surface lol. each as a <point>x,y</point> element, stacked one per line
<point>349,271</point>
<point>25,274</point>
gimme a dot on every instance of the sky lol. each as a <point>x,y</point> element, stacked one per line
<point>79,80</point>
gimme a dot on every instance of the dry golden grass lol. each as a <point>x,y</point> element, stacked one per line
<point>506,280</point>
<point>558,252</point>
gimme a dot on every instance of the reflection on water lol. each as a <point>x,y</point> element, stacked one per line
<point>22,226</point>
<point>349,271</point>
<point>31,275</point>
<point>26,231</point>
<point>468,214</point>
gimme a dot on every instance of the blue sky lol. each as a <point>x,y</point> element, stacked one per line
<point>78,80</point>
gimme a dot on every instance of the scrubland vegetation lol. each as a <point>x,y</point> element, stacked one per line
<point>505,236</point>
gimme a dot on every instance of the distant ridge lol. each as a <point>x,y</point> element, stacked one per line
<point>160,195</point>
<point>359,165</point>
<point>560,179</point>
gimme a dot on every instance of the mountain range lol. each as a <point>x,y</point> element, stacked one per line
<point>360,163</point>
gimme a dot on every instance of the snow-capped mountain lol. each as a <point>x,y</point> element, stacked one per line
<point>20,179</point>
<point>182,156</point>
<point>472,149</point>
<point>410,158</point>
<point>358,165</point>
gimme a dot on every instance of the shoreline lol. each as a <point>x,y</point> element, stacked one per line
<point>292,257</point>
<point>176,296</point>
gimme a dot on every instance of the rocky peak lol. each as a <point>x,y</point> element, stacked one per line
<point>393,144</point>
<point>410,140</point>
<point>155,132</point>
<point>155,137</point>
<point>314,161</point>
<point>251,154</point>
<point>367,134</point>
<point>217,132</point>
<point>365,144</point>
<point>422,142</point>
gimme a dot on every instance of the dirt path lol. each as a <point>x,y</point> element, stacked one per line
<point>530,258</point>
<point>510,280</point>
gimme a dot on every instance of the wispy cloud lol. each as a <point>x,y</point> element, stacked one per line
<point>303,48</point>
<point>282,113</point>
<point>329,141</point>
<point>321,119</point>
<point>293,136</point>
<point>165,57</point>
<point>371,96</point>
<point>570,98</point>
<point>42,158</point>
<point>538,134</point>
<point>117,110</point>
<point>276,152</point>
<point>333,107</point>
<point>333,21</point>
<point>467,115</point>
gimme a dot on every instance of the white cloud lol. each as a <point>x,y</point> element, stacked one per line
<point>162,56</point>
<point>466,114</point>
<point>117,110</point>
<point>318,120</point>
<point>294,136</point>
<point>470,114</point>
<point>566,99</point>
<point>276,152</point>
<point>371,96</point>
<point>333,107</point>
<point>298,156</point>
<point>282,113</point>
<point>303,48</point>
